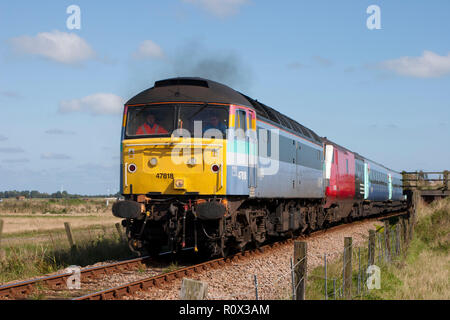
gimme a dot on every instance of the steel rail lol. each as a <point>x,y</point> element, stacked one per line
<point>156,281</point>
<point>23,289</point>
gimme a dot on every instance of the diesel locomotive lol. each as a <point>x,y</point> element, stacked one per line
<point>209,169</point>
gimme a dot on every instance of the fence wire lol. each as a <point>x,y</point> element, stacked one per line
<point>334,287</point>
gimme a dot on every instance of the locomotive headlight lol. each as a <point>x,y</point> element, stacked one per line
<point>153,162</point>
<point>179,184</point>
<point>132,168</point>
<point>215,168</point>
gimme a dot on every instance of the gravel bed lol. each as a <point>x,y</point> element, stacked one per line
<point>102,282</point>
<point>235,281</point>
<point>111,280</point>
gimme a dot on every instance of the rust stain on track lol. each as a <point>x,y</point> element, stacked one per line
<point>23,289</point>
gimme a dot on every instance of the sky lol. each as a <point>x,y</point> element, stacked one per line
<point>376,82</point>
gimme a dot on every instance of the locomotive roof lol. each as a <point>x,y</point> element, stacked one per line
<point>189,89</point>
<point>202,90</point>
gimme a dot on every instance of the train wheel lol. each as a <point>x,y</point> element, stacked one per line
<point>136,246</point>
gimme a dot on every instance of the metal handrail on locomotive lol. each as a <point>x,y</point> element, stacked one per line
<point>209,169</point>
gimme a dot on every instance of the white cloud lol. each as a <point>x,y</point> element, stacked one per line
<point>58,46</point>
<point>59,132</point>
<point>11,150</point>
<point>324,62</point>
<point>429,65</point>
<point>220,8</point>
<point>10,94</point>
<point>95,104</point>
<point>14,161</point>
<point>149,49</point>
<point>54,156</point>
<point>295,65</point>
<point>3,138</point>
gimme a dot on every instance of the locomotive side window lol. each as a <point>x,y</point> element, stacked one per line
<point>150,121</point>
<point>240,124</point>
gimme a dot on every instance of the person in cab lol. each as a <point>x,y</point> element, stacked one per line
<point>214,122</point>
<point>150,126</point>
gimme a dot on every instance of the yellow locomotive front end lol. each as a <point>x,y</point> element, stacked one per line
<point>173,176</point>
<point>174,149</point>
<point>174,166</point>
<point>173,172</point>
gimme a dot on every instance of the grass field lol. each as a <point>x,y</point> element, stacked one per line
<point>34,215</point>
<point>34,241</point>
<point>50,252</point>
<point>425,272</point>
<point>54,206</point>
<point>420,273</point>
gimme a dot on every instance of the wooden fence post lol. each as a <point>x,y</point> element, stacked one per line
<point>387,240</point>
<point>326,275</point>
<point>2,253</point>
<point>69,235</point>
<point>405,232</point>
<point>446,180</point>
<point>193,290</point>
<point>1,230</point>
<point>119,231</point>
<point>410,228</point>
<point>347,268</point>
<point>300,263</point>
<point>371,247</point>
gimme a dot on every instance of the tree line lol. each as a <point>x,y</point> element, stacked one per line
<point>33,194</point>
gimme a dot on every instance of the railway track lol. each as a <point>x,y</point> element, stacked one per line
<point>58,282</point>
<point>157,281</point>
<point>23,289</point>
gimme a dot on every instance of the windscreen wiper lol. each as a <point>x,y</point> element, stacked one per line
<point>201,109</point>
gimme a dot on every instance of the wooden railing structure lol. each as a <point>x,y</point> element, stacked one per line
<point>429,185</point>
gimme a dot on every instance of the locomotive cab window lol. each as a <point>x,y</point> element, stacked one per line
<point>211,121</point>
<point>150,121</point>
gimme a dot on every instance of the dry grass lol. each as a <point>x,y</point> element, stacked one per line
<point>36,215</point>
<point>54,206</point>
<point>425,279</point>
<point>20,224</point>
<point>51,252</point>
<point>34,241</point>
<point>422,274</point>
